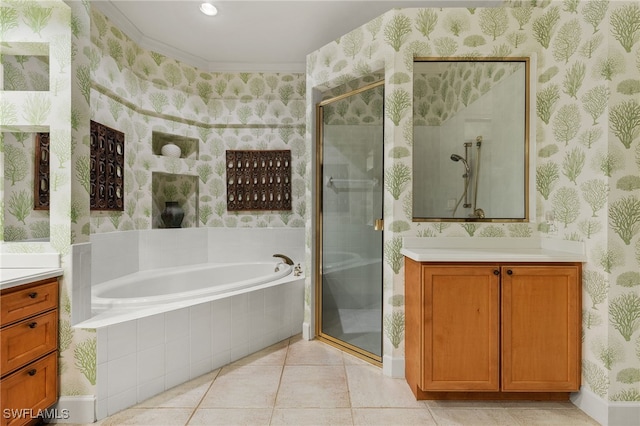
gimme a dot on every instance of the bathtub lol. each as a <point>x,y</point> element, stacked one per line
<point>158,328</point>
<point>176,284</point>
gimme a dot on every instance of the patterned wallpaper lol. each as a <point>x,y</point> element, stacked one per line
<point>141,92</point>
<point>587,150</point>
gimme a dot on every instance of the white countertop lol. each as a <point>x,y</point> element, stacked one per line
<point>24,268</point>
<point>493,250</point>
<point>12,277</point>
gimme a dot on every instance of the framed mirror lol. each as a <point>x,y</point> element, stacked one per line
<point>471,139</point>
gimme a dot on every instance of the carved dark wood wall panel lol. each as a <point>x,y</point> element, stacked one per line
<point>258,180</point>
<point>41,177</point>
<point>107,168</point>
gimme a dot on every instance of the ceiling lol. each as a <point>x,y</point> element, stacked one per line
<point>248,35</point>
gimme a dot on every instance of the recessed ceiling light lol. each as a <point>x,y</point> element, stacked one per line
<point>208,9</point>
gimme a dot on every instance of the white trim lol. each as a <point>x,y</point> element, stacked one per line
<point>393,367</point>
<point>306,331</point>
<point>80,409</point>
<point>123,23</point>
<point>624,413</point>
<point>591,404</point>
<point>607,413</point>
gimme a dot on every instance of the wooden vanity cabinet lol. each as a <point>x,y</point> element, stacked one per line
<point>29,351</point>
<point>492,331</point>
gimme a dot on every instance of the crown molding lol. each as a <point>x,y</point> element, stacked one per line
<point>123,23</point>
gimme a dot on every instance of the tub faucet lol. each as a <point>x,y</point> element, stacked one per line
<point>286,259</point>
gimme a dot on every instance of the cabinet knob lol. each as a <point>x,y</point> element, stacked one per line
<point>496,272</point>
<point>32,372</point>
<point>33,295</point>
<point>33,324</point>
<point>509,272</point>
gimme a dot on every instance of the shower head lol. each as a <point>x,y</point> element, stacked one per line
<point>456,158</point>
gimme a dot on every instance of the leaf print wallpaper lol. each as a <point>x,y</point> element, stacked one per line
<point>587,150</point>
<point>140,92</point>
<point>587,145</point>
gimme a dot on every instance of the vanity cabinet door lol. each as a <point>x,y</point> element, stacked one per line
<point>541,328</point>
<point>461,317</point>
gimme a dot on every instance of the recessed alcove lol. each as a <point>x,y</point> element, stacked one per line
<point>174,187</point>
<point>189,147</point>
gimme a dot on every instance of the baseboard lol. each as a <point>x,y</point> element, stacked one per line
<point>607,413</point>
<point>393,367</point>
<point>75,409</point>
<point>624,413</point>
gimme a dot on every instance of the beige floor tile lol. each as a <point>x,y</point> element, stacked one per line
<point>539,404</point>
<point>311,416</point>
<point>392,416</point>
<point>560,416</point>
<point>231,416</point>
<point>245,386</point>
<point>353,360</point>
<point>148,417</point>
<point>273,355</point>
<point>186,395</point>
<point>473,416</point>
<point>313,386</point>
<point>368,387</point>
<point>313,352</point>
<point>463,404</point>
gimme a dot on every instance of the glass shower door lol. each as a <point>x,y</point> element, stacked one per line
<point>351,171</point>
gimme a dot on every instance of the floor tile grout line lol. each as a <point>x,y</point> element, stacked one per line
<point>346,381</point>
<point>203,396</point>
<point>284,364</point>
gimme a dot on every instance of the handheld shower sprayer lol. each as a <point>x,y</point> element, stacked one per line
<point>456,158</point>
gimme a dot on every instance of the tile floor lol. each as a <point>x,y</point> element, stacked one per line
<point>296,382</point>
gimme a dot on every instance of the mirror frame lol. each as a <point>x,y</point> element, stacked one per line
<point>528,108</point>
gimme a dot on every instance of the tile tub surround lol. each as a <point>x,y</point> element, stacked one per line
<point>307,382</point>
<point>141,358</point>
<point>115,254</point>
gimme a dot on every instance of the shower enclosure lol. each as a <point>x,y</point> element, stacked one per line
<point>349,221</point>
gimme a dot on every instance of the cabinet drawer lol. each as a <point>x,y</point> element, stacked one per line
<point>28,390</point>
<point>28,300</point>
<point>27,340</point>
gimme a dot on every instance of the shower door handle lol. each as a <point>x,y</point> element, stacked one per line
<point>378,225</point>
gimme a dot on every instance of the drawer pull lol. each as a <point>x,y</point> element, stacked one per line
<point>33,295</point>
<point>33,324</point>
<point>496,272</point>
<point>32,372</point>
<point>509,272</point>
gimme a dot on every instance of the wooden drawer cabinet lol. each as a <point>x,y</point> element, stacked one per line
<point>492,331</point>
<point>28,350</point>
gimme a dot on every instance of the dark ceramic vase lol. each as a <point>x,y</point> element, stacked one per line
<point>172,215</point>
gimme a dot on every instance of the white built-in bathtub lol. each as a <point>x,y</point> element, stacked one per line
<point>183,283</point>
<point>158,328</point>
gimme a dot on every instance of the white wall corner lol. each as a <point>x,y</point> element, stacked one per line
<point>591,404</point>
<point>306,331</point>
<point>393,367</point>
<point>75,409</point>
